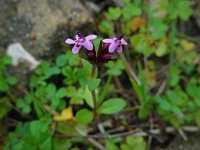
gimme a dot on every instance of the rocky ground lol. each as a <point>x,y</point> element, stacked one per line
<point>41,27</point>
<point>37,25</point>
<point>178,143</point>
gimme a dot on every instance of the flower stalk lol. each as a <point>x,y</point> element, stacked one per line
<point>107,51</point>
<point>94,98</point>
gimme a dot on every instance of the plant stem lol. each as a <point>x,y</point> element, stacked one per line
<point>104,90</point>
<point>172,37</point>
<point>93,92</point>
<point>130,72</point>
<point>128,109</point>
<point>93,70</point>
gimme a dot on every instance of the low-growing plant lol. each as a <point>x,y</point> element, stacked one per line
<point>151,30</point>
<point>76,84</point>
<point>6,81</point>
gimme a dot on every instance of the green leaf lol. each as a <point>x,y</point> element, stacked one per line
<point>42,94</point>
<point>84,116</point>
<point>6,60</point>
<point>96,42</point>
<point>146,108</point>
<point>51,90</point>
<point>4,107</point>
<point>184,10</point>
<point>192,89</point>
<point>179,9</point>
<point>24,104</point>
<point>110,145</point>
<point>125,147</point>
<point>165,105</point>
<point>106,27</point>
<point>3,86</point>
<point>105,90</point>
<point>174,76</point>
<point>71,91</point>
<point>172,10</point>
<point>115,68</point>
<point>62,92</point>
<point>137,90</point>
<point>73,60</point>
<point>158,28</point>
<point>76,101</point>
<point>61,60</point>
<point>161,50</point>
<point>11,80</point>
<point>127,2</point>
<point>176,110</point>
<point>136,142</point>
<point>143,86</point>
<point>20,103</point>
<point>93,83</point>
<point>141,44</point>
<point>47,144</point>
<point>88,97</point>
<point>61,144</point>
<point>130,11</point>
<point>87,67</point>
<point>53,71</point>
<point>113,13</point>
<point>197,118</point>
<point>112,106</point>
<point>35,127</point>
<point>55,103</point>
<point>26,109</point>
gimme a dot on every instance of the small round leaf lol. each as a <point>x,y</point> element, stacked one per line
<point>84,116</point>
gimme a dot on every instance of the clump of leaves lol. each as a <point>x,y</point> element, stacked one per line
<point>6,81</point>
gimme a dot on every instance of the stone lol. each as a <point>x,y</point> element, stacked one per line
<point>179,144</point>
<point>20,55</point>
<point>34,23</point>
<point>196,11</point>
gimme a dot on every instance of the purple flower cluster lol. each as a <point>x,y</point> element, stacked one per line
<point>106,47</point>
<point>81,41</point>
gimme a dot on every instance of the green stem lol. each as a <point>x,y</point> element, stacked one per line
<point>104,90</point>
<point>172,37</point>
<point>12,97</point>
<point>132,108</point>
<point>93,70</point>
<point>132,75</point>
<point>94,103</point>
<point>93,92</point>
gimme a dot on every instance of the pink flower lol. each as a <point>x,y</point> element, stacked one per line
<point>115,44</point>
<point>81,41</point>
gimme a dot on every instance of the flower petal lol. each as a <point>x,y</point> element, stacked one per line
<point>119,49</point>
<point>91,37</point>
<point>77,37</point>
<point>70,41</point>
<point>88,45</point>
<point>108,40</point>
<point>76,48</point>
<point>112,47</point>
<point>124,42</point>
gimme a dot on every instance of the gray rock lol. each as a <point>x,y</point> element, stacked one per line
<point>19,54</point>
<point>193,143</point>
<point>36,24</point>
<point>196,8</point>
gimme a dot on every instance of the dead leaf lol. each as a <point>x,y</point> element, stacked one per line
<point>187,45</point>
<point>66,114</point>
<point>137,22</point>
